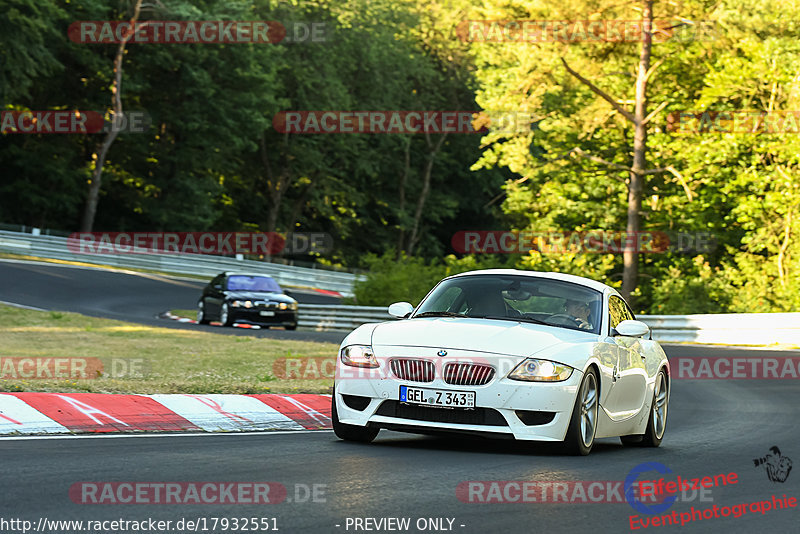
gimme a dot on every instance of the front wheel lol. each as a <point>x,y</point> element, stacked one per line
<point>657,423</point>
<point>292,327</point>
<point>350,432</point>
<point>225,315</point>
<point>583,425</point>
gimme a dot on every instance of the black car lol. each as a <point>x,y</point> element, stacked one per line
<point>246,298</point>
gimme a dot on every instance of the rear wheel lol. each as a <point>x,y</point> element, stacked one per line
<point>350,432</point>
<point>657,423</point>
<point>583,425</point>
<point>201,313</point>
<point>292,327</point>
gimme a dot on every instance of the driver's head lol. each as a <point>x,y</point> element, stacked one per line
<point>486,302</point>
<point>578,308</point>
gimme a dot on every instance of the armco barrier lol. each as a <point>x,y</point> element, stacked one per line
<point>734,329</point>
<point>52,247</point>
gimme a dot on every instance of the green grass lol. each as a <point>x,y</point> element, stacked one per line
<point>174,360</point>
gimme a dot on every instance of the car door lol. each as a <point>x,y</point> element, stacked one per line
<point>214,295</point>
<point>612,353</point>
<point>631,381</point>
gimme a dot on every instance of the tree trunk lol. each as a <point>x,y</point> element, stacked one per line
<point>413,237</point>
<point>401,205</point>
<point>99,156</point>
<point>630,272</point>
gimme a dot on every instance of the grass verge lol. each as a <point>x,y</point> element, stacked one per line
<point>171,360</point>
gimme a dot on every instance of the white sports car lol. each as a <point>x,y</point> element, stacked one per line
<point>506,353</point>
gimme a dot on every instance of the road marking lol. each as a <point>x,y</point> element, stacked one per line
<point>23,306</point>
<point>164,435</point>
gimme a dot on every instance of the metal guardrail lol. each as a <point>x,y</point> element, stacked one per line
<point>343,318</point>
<point>54,247</point>
<point>734,329</point>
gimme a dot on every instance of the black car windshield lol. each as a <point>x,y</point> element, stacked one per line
<point>526,299</point>
<point>253,283</point>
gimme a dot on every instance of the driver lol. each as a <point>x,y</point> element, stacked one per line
<point>486,302</point>
<point>581,312</point>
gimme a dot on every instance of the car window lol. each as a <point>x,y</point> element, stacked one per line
<point>514,297</point>
<point>448,300</point>
<point>253,283</point>
<point>617,311</point>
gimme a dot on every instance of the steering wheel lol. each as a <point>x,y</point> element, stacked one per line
<point>565,316</point>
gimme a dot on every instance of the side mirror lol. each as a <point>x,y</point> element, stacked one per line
<point>401,310</point>
<point>632,329</point>
<point>218,287</point>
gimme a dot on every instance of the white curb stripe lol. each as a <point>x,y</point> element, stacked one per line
<point>220,412</point>
<point>17,417</point>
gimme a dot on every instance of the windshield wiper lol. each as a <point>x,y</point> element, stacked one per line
<point>439,314</point>
<point>517,319</point>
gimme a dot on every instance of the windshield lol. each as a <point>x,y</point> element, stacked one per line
<point>516,298</point>
<point>253,283</point>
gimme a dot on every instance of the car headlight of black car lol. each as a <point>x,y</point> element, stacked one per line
<point>242,303</point>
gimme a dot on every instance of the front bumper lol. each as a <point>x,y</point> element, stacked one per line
<point>502,406</point>
<point>251,315</point>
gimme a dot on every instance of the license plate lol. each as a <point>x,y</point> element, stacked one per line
<point>437,397</point>
<point>267,313</point>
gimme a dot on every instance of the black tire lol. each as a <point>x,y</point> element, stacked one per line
<point>580,438</point>
<point>202,317</point>
<point>346,432</point>
<point>225,315</point>
<point>293,327</point>
<point>657,421</point>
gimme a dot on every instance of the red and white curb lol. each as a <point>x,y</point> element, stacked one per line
<point>169,315</point>
<point>65,413</point>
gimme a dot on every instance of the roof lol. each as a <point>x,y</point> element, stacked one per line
<point>580,280</point>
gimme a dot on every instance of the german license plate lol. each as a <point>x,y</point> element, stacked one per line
<point>267,313</point>
<point>437,397</point>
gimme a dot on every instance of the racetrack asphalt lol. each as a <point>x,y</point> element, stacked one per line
<point>714,427</point>
<point>128,296</point>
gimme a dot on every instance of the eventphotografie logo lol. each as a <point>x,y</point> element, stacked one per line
<point>776,465</point>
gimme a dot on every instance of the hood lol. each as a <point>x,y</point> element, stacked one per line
<point>482,335</point>
<point>259,295</point>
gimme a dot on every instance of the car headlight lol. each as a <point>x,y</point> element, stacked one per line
<point>293,306</point>
<point>533,370</point>
<point>359,356</point>
<point>236,303</point>
<point>242,303</point>
<point>283,306</point>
